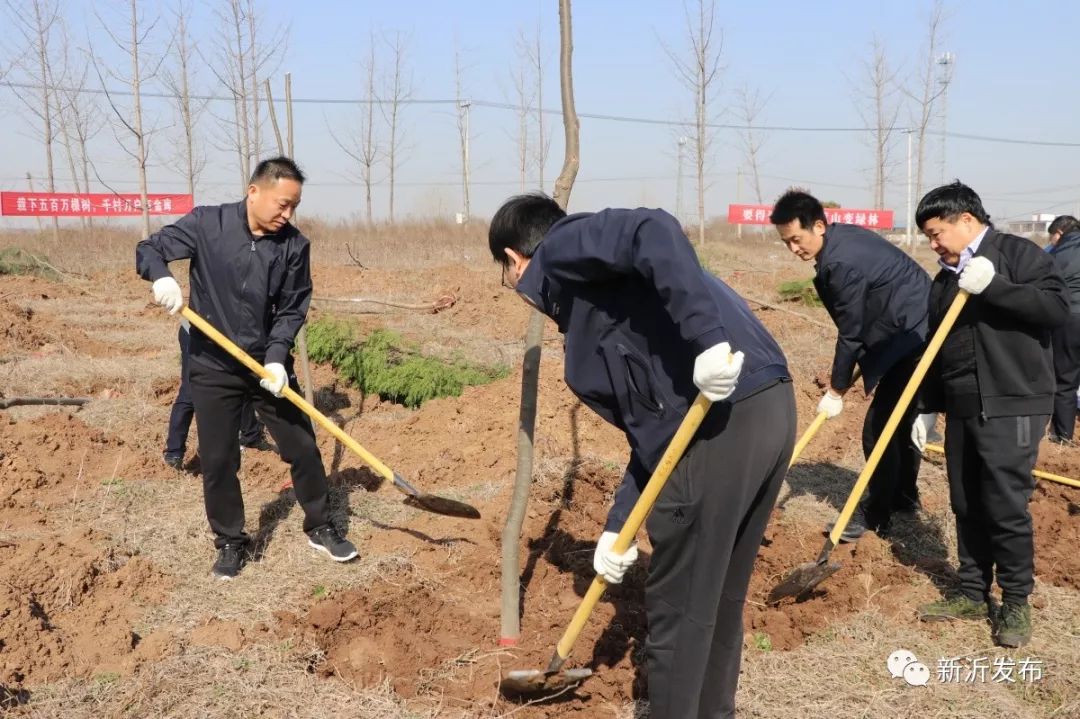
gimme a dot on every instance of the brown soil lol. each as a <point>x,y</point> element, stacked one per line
<point>70,605</point>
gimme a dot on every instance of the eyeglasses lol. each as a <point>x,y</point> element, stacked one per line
<point>502,277</point>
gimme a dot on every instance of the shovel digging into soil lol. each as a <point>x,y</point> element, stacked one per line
<point>414,497</point>
<point>531,682</point>
<point>814,427</point>
<point>804,578</point>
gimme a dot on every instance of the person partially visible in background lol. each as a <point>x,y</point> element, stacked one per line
<point>1064,248</point>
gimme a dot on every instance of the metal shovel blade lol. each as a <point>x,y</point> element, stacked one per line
<point>802,580</point>
<point>443,505</point>
<point>432,503</point>
<point>531,682</point>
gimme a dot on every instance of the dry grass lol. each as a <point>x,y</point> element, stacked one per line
<point>839,673</point>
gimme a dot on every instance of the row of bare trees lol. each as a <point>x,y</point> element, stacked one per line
<point>879,93</point>
<point>882,95</point>
<point>61,83</point>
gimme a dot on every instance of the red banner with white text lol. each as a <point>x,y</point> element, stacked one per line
<point>74,204</point>
<point>759,215</point>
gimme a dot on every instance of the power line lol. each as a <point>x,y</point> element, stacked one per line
<point>592,116</point>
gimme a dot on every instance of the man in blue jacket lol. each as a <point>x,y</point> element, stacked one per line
<point>877,297</point>
<point>645,329</point>
<point>1065,249</point>
<point>251,279</point>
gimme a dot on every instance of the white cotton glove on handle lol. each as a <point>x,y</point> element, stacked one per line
<point>831,404</point>
<point>608,564</point>
<point>921,429</point>
<point>276,385</point>
<point>716,371</point>
<point>167,294</point>
<point>977,275</point>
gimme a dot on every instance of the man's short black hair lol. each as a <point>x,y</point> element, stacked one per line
<point>949,202</point>
<point>798,205</point>
<point>521,223</point>
<point>277,168</point>
<point>1063,224</point>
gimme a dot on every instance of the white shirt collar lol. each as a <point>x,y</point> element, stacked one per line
<point>967,253</point>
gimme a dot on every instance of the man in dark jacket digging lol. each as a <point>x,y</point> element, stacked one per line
<point>1065,249</point>
<point>994,379</point>
<point>876,295</point>
<point>251,279</point>
<point>645,329</point>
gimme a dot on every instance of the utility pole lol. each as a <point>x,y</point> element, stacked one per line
<point>678,178</point>
<point>465,105</point>
<point>910,215</point>
<point>738,199</point>
<point>945,62</point>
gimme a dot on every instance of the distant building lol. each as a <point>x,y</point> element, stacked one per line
<point>1035,226</point>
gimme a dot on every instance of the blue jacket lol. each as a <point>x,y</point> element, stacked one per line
<point>636,309</point>
<point>877,297</point>
<point>1066,254</point>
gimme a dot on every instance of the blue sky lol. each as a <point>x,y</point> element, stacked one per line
<point>1012,79</point>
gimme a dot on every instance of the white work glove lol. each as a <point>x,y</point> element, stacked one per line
<point>167,294</point>
<point>276,385</point>
<point>716,371</point>
<point>921,429</point>
<point>976,275</point>
<point>831,404</point>
<point>609,565</point>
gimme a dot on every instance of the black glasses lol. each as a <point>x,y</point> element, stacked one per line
<point>502,277</point>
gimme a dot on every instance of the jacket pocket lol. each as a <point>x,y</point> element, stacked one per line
<point>639,382</point>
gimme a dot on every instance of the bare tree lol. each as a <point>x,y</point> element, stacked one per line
<point>533,51</point>
<point>510,625</point>
<point>178,78</point>
<point>927,92</point>
<point>523,101</point>
<point>84,119</point>
<point>700,73</point>
<point>463,106</point>
<point>132,122</point>
<point>35,21</point>
<point>398,90</point>
<point>878,104</point>
<point>369,150</point>
<point>244,55</point>
<point>750,105</point>
<point>359,142</point>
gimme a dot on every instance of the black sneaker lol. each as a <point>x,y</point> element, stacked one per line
<point>230,559</point>
<point>176,461</point>
<point>260,444</point>
<point>855,529</point>
<point>327,539</point>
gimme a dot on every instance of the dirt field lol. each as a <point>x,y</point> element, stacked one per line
<point>107,608</point>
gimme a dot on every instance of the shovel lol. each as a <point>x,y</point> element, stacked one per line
<point>534,681</point>
<point>1036,473</point>
<point>414,497</point>
<point>805,577</point>
<point>815,426</point>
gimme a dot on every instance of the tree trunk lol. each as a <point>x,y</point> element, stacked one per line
<point>510,630</point>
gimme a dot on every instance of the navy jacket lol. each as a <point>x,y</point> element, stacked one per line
<point>1066,254</point>
<point>636,308</point>
<point>254,290</point>
<point>877,297</point>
